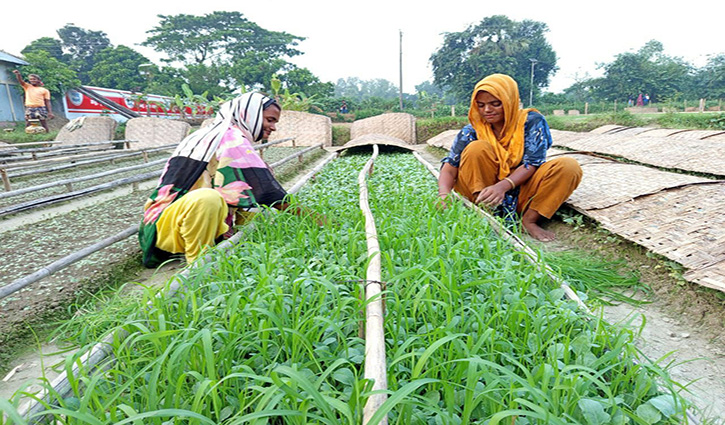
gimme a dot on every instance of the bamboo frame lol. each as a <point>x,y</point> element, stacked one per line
<point>50,200</point>
<point>375,365</point>
<point>68,182</point>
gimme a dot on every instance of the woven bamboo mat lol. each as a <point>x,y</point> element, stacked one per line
<point>659,132</point>
<point>606,183</point>
<point>696,134</point>
<point>607,128</point>
<point>684,224</point>
<point>443,140</point>
<point>629,131</point>
<point>400,125</point>
<point>687,154</point>
<point>94,129</point>
<point>307,129</point>
<point>152,132</point>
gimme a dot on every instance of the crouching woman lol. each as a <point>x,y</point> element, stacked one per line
<point>499,159</point>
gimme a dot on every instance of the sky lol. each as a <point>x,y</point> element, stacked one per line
<point>362,38</point>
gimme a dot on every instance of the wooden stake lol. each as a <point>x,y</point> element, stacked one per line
<point>6,180</point>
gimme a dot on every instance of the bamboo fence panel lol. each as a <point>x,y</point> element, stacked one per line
<point>305,128</point>
<point>684,224</point>
<point>607,128</point>
<point>153,132</point>
<point>375,366</point>
<point>94,129</point>
<point>399,125</point>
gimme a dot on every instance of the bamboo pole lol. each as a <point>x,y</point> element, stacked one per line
<point>38,169</point>
<point>50,200</point>
<point>64,262</point>
<point>61,146</point>
<point>517,242</point>
<point>375,368</point>
<point>78,179</point>
<point>295,155</point>
<point>95,357</point>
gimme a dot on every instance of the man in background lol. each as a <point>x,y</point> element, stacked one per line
<point>37,100</point>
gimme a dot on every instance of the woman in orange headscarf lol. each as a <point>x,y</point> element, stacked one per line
<point>499,159</point>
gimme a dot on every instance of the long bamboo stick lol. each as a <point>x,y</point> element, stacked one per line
<point>375,368</point>
<point>295,155</point>
<point>50,200</point>
<point>79,179</point>
<point>60,146</point>
<point>42,166</point>
<point>64,262</point>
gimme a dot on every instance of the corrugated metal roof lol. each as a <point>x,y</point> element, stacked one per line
<point>7,57</point>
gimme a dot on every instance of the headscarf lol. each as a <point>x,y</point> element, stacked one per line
<point>509,148</point>
<point>245,112</point>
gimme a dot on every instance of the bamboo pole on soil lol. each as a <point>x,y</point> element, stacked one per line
<point>295,155</point>
<point>375,368</point>
<point>507,235</point>
<point>69,182</point>
<point>50,200</point>
<point>100,352</point>
<point>27,169</point>
<point>64,262</point>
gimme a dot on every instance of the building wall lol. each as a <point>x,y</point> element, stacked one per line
<point>11,98</point>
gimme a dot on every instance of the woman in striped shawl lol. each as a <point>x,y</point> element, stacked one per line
<point>213,173</point>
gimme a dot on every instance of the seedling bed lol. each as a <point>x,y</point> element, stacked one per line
<point>269,330</point>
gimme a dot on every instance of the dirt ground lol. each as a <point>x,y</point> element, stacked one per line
<point>683,327</point>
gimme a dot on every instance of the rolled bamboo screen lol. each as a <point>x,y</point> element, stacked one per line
<point>400,125</point>
<point>153,132</point>
<point>94,129</point>
<point>307,129</point>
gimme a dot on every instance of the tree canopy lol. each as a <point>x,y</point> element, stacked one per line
<point>495,45</point>
<point>236,51</point>
<point>56,75</point>
<point>119,67</point>
<point>647,71</point>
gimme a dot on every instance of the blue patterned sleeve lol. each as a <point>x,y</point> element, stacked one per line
<point>537,140</point>
<point>463,138</point>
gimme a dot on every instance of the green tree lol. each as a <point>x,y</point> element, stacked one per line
<point>710,79</point>
<point>81,46</point>
<point>495,45</point>
<point>647,71</point>
<point>56,75</point>
<point>53,46</point>
<point>118,68</point>
<point>237,51</point>
<point>301,80</point>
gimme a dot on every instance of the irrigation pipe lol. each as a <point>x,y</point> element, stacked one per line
<point>79,179</point>
<point>375,366</point>
<point>64,262</point>
<point>517,242</point>
<point>93,359</point>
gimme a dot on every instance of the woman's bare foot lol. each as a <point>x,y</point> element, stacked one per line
<point>529,222</point>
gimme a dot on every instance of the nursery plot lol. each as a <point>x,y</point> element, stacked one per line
<point>268,332</point>
<point>476,333</point>
<point>269,329</point>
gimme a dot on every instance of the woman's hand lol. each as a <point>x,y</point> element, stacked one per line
<point>493,195</point>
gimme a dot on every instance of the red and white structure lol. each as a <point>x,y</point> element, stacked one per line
<point>77,104</point>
